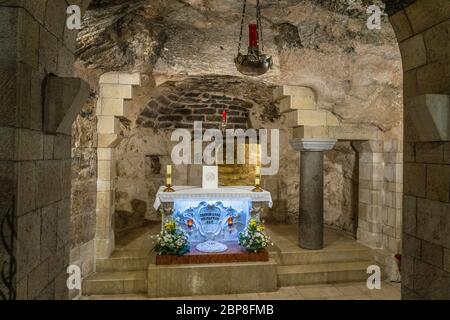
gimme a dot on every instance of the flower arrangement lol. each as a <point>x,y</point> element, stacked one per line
<point>254,239</point>
<point>172,240</point>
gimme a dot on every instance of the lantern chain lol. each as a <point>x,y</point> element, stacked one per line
<point>242,26</point>
<point>259,21</point>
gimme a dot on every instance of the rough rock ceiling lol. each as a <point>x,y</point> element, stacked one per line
<point>135,34</point>
<point>323,44</point>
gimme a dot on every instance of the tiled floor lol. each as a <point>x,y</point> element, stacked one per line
<point>342,291</point>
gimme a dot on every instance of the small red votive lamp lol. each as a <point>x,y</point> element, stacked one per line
<point>230,221</point>
<point>190,223</point>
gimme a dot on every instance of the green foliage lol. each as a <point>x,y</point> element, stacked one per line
<point>172,240</point>
<point>254,239</point>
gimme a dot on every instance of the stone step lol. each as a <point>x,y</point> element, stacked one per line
<point>131,253</point>
<point>122,264</point>
<point>124,282</point>
<point>322,256</point>
<point>295,275</point>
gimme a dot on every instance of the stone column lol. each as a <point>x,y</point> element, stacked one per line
<point>311,190</point>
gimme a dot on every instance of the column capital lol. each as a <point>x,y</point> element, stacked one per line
<point>313,144</point>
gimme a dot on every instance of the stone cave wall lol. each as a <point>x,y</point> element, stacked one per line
<point>84,189</point>
<point>324,45</point>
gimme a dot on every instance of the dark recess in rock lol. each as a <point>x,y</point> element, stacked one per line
<point>393,6</point>
<point>287,36</point>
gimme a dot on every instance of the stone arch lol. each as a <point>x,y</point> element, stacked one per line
<point>423,36</point>
<point>116,90</point>
<point>177,104</point>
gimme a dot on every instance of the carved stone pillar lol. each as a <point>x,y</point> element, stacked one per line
<point>311,190</point>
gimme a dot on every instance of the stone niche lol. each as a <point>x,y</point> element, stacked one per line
<point>341,187</point>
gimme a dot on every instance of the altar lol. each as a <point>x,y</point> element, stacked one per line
<point>212,218</point>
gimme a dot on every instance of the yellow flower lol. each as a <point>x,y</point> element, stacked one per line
<point>260,228</point>
<point>170,225</point>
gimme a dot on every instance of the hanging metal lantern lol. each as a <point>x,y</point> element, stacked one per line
<point>255,62</point>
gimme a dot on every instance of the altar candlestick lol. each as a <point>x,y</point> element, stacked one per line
<point>169,175</point>
<point>258,180</point>
<point>169,179</point>
<point>258,176</point>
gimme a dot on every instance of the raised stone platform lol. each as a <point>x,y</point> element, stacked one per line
<point>211,279</point>
<point>132,268</point>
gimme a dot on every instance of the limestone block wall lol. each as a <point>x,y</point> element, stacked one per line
<point>180,111</point>
<point>35,167</point>
<point>422,31</point>
<point>380,194</point>
<point>116,89</point>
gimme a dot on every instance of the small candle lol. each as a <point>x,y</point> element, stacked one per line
<point>224,116</point>
<point>169,175</point>
<point>258,170</point>
<point>230,221</point>
<point>253,35</point>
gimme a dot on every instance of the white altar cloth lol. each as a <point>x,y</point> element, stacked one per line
<point>222,193</point>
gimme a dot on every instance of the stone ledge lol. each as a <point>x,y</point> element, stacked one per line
<point>64,98</point>
<point>121,78</point>
<point>295,91</point>
<point>343,132</point>
<point>428,118</point>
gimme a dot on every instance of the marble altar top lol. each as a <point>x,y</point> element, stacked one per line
<point>221,193</point>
